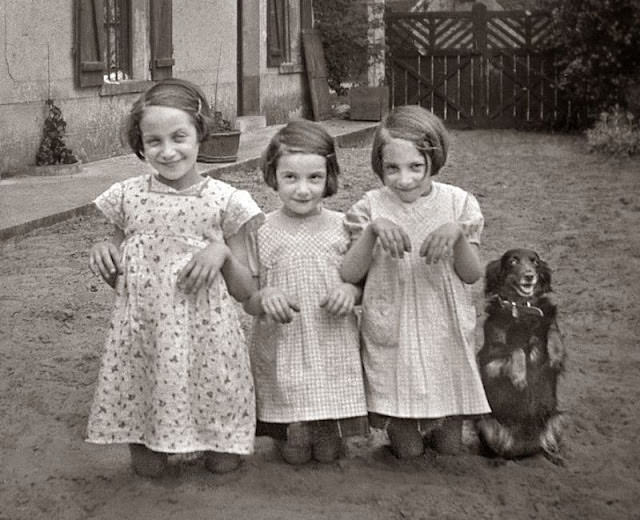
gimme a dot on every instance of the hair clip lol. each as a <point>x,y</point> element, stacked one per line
<point>199,105</point>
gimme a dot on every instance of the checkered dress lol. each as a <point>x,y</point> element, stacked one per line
<point>418,319</point>
<point>309,369</point>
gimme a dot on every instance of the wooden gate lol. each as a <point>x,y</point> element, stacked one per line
<point>478,68</point>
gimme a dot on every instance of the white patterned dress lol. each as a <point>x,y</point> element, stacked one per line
<point>418,319</point>
<point>175,374</point>
<point>309,369</point>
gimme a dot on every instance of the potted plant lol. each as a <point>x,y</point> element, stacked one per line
<point>222,143</point>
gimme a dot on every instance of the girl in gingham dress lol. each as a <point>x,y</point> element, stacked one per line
<point>416,242</point>
<point>304,347</point>
<point>175,373</point>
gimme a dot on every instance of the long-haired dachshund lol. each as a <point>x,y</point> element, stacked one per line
<point>521,358</point>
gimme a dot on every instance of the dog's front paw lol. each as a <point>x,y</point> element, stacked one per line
<point>518,369</point>
<point>556,350</point>
<point>519,381</point>
<point>495,368</point>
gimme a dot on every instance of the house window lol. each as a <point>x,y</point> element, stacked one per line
<point>118,55</point>
<point>285,21</point>
<point>277,32</point>
<point>108,50</point>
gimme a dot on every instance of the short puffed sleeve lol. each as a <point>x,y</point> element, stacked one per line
<point>110,204</point>
<point>471,219</point>
<point>357,218</point>
<point>241,210</point>
<point>253,253</point>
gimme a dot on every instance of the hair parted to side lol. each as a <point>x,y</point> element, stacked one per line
<point>301,136</point>
<point>417,125</point>
<point>174,93</point>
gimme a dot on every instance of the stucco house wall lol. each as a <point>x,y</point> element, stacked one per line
<point>37,62</point>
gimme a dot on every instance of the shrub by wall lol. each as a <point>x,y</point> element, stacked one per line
<point>343,27</point>
<point>597,44</point>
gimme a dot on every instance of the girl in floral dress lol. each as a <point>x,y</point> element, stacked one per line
<point>416,242</point>
<point>304,347</point>
<point>175,374</point>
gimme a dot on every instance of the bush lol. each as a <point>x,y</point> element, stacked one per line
<point>53,149</point>
<point>343,28</point>
<point>615,133</point>
<point>596,47</point>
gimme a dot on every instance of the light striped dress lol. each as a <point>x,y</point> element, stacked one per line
<point>309,369</point>
<point>418,319</point>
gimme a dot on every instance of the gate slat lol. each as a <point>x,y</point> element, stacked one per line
<point>484,68</point>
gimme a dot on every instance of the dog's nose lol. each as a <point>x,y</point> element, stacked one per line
<point>529,277</point>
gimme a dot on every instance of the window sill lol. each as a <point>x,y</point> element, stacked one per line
<point>125,87</point>
<point>290,68</point>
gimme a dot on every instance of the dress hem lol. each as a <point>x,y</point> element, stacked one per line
<point>199,447</point>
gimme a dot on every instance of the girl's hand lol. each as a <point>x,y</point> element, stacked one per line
<point>340,300</point>
<point>203,267</point>
<point>440,243</point>
<point>392,237</point>
<point>104,260</point>
<point>277,305</point>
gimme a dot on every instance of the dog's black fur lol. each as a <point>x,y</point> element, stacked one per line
<point>521,358</point>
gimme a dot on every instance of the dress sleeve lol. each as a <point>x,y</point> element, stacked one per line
<point>357,218</point>
<point>110,204</point>
<point>471,219</point>
<point>241,211</point>
<point>253,254</point>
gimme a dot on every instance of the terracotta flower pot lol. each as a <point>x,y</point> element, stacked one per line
<point>220,147</point>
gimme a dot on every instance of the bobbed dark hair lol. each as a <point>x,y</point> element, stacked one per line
<point>301,136</point>
<point>174,93</point>
<point>417,125</point>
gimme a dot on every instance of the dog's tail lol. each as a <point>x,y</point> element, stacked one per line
<point>508,443</point>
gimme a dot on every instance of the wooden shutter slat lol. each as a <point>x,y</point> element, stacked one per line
<point>161,39</point>
<point>92,66</point>
<point>165,62</point>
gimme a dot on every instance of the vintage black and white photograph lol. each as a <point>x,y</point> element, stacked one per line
<point>319,259</point>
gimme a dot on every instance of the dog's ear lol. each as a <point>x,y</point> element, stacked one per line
<point>492,277</point>
<point>544,276</point>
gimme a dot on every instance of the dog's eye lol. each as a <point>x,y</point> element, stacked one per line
<point>514,261</point>
<point>535,262</point>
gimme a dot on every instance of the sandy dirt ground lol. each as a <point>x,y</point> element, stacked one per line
<point>580,211</point>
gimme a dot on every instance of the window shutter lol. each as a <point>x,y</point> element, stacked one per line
<point>306,14</point>
<point>161,39</point>
<point>90,43</point>
<point>276,32</point>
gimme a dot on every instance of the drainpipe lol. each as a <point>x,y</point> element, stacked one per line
<point>375,14</point>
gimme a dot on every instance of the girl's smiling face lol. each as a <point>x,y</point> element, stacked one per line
<point>405,171</point>
<point>170,144</point>
<point>301,179</point>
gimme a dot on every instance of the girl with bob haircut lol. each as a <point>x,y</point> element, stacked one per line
<point>175,375</point>
<point>304,347</point>
<point>302,136</point>
<point>175,93</point>
<point>415,242</point>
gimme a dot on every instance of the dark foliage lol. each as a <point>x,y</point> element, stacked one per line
<point>597,45</point>
<point>343,27</point>
<point>53,149</point>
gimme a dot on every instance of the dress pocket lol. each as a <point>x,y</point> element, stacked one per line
<point>381,320</point>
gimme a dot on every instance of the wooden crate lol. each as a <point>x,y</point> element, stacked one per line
<point>368,103</point>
